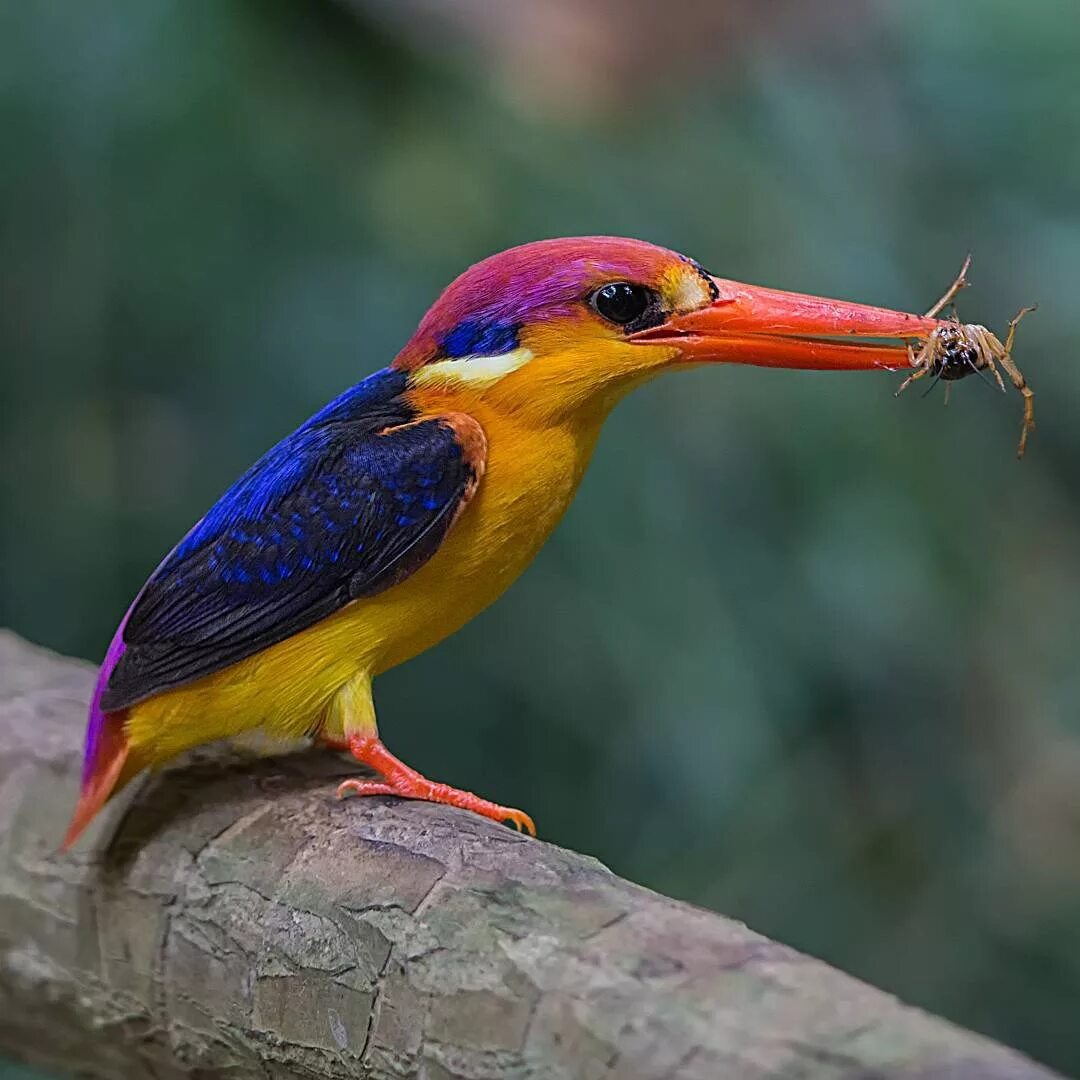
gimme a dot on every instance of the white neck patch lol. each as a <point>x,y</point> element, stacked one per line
<point>474,370</point>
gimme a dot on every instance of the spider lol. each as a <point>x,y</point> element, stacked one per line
<point>955,350</point>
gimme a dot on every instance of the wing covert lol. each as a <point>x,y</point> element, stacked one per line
<point>335,512</point>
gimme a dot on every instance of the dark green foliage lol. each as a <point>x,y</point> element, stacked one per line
<point>800,652</point>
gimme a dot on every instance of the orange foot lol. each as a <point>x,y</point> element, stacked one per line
<point>399,779</point>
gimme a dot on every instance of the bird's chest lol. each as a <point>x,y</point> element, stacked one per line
<point>529,481</point>
<point>528,484</point>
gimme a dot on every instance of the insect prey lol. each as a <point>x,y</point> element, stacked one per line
<point>955,350</point>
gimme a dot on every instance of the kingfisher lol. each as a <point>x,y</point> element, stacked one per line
<point>410,502</point>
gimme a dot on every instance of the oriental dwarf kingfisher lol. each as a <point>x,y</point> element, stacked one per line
<point>410,502</point>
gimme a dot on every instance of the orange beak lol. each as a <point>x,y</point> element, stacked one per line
<point>747,324</point>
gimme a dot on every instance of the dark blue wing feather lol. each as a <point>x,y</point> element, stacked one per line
<point>352,502</point>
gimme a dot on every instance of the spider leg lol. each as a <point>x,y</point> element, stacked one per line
<point>913,377</point>
<point>1014,322</point>
<point>937,379</point>
<point>981,373</point>
<point>949,295</point>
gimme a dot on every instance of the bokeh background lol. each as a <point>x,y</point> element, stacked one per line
<point>800,652</point>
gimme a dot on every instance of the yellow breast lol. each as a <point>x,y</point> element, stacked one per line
<point>530,479</point>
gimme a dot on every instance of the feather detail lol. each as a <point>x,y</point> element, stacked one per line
<point>111,769</point>
<point>338,511</point>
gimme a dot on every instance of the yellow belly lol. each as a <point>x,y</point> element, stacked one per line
<point>530,479</point>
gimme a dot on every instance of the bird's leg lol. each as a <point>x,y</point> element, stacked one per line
<point>399,779</point>
<point>350,725</point>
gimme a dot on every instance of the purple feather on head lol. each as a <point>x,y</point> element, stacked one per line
<point>543,280</point>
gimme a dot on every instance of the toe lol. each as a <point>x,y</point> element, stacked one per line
<point>521,821</point>
<point>363,787</point>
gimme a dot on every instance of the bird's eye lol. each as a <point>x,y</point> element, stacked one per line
<point>622,302</point>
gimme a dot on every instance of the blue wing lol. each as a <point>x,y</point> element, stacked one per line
<point>352,502</point>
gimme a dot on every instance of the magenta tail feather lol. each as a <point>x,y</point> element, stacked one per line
<point>96,720</point>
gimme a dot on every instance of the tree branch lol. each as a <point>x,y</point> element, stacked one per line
<point>238,921</point>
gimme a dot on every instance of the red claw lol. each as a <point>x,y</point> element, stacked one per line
<point>400,780</point>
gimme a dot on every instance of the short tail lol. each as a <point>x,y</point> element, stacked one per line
<point>107,764</point>
<point>113,768</point>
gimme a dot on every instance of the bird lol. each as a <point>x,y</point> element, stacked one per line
<point>411,501</point>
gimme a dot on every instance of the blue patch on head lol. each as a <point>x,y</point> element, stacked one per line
<point>474,338</point>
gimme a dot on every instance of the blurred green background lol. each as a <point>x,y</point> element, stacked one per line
<point>800,653</point>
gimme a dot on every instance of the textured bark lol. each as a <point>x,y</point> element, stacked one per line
<point>236,920</point>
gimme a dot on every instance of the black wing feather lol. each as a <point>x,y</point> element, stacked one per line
<point>341,509</point>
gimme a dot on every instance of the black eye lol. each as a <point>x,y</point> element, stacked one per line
<point>622,302</point>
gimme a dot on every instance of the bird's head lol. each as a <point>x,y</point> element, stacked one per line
<point>559,327</point>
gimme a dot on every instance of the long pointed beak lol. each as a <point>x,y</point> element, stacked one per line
<point>747,324</point>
